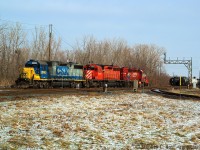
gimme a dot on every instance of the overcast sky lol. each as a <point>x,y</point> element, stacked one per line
<point>172,24</point>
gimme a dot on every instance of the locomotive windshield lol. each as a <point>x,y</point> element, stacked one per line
<point>78,67</point>
<point>116,69</point>
<point>89,68</point>
<point>31,64</point>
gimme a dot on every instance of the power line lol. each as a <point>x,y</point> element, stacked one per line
<point>8,21</point>
<point>24,28</point>
<point>50,37</point>
<point>59,34</point>
<point>54,30</point>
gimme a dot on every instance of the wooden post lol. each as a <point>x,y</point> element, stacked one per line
<point>135,85</point>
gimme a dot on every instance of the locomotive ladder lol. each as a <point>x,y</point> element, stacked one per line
<point>187,63</point>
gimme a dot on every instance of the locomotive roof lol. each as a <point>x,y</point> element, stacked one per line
<point>103,65</point>
<point>71,64</point>
<point>42,62</point>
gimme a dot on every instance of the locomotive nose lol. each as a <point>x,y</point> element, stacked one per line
<point>88,74</point>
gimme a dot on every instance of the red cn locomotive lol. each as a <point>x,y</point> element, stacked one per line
<point>111,73</point>
<point>93,72</point>
<point>131,74</point>
<point>97,75</point>
<point>114,76</point>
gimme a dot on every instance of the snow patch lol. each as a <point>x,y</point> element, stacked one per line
<point>123,121</point>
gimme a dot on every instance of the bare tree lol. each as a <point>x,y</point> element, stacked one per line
<point>15,50</point>
<point>56,48</point>
<point>149,58</point>
<point>39,46</point>
<point>117,52</point>
<point>12,39</point>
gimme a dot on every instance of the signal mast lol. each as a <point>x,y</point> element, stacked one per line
<point>187,63</point>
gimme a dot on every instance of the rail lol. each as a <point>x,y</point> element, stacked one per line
<point>176,95</point>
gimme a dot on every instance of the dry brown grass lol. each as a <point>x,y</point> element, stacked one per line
<point>99,122</point>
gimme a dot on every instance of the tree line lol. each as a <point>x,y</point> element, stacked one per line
<point>17,46</point>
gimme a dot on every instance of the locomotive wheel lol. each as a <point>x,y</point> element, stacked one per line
<point>22,84</point>
<point>73,85</point>
<point>36,84</point>
<point>43,85</point>
<point>46,85</point>
<point>87,85</point>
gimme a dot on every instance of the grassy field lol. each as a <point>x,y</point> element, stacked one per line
<point>186,91</point>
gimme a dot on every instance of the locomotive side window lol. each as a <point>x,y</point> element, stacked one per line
<point>43,67</point>
<point>90,68</point>
<point>33,64</point>
<point>116,69</point>
<point>130,70</point>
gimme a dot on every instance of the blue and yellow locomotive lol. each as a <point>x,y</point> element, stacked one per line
<point>46,74</point>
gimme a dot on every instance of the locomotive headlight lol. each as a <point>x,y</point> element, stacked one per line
<point>43,72</point>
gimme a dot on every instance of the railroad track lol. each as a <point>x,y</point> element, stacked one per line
<point>22,94</point>
<point>17,94</point>
<point>175,95</point>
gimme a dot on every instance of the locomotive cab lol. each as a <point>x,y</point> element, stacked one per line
<point>33,70</point>
<point>38,69</point>
<point>93,71</point>
<point>75,71</point>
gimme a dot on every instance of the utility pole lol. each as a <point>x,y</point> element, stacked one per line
<point>50,37</point>
<point>187,63</point>
<point>199,74</point>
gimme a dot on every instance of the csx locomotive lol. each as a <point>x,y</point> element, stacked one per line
<point>46,74</point>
